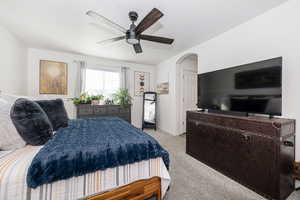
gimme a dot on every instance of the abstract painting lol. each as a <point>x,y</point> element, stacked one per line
<point>141,83</point>
<point>53,77</point>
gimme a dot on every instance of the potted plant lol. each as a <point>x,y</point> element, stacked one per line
<point>83,99</point>
<point>97,99</point>
<point>122,97</point>
<point>109,101</point>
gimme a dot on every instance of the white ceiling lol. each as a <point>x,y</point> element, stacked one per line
<point>63,25</point>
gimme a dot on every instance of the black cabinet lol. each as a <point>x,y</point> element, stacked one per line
<point>257,152</point>
<point>91,111</point>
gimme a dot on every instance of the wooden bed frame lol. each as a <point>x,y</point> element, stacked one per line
<point>149,189</point>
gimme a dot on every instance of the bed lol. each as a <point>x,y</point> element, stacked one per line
<point>21,166</point>
<point>14,166</point>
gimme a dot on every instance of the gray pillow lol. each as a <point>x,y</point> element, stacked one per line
<point>56,112</point>
<point>31,122</point>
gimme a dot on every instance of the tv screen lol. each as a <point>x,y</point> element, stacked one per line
<point>250,88</point>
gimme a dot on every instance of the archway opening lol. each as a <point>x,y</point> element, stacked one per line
<point>186,88</point>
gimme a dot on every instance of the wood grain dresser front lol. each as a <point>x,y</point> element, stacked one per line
<point>255,151</point>
<point>91,111</point>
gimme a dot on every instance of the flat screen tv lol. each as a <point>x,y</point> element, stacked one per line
<point>251,88</point>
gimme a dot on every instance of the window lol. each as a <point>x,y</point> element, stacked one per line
<point>102,82</point>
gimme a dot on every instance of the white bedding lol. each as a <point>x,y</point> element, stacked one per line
<point>14,166</point>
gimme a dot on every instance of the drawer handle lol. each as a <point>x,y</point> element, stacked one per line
<point>246,137</point>
<point>288,143</point>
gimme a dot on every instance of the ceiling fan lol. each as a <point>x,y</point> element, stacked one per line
<point>134,34</point>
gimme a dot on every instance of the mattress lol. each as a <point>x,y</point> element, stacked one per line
<point>14,166</point>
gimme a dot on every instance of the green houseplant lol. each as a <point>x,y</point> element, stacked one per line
<point>122,97</point>
<point>108,101</point>
<point>96,99</point>
<point>85,98</point>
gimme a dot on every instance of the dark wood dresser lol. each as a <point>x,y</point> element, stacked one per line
<point>255,151</point>
<point>91,111</point>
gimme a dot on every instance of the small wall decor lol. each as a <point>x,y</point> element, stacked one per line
<point>163,88</point>
<point>141,83</point>
<point>53,77</point>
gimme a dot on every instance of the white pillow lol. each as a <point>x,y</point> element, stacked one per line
<point>9,137</point>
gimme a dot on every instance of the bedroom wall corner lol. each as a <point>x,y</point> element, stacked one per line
<point>166,72</point>
<point>35,55</point>
<point>13,64</point>
<point>168,104</point>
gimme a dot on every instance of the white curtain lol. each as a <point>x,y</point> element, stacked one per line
<point>81,75</point>
<point>124,78</point>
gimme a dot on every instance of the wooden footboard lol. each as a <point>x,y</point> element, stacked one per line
<point>149,189</point>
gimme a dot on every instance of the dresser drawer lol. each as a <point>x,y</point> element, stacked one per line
<point>124,110</point>
<point>100,110</point>
<point>85,110</point>
<point>92,111</point>
<point>113,109</point>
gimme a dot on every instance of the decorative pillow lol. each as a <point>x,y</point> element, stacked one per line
<point>9,136</point>
<point>31,122</point>
<point>56,112</point>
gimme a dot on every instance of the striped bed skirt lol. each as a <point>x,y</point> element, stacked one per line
<point>14,166</point>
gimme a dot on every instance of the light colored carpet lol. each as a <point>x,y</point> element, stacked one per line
<point>192,180</point>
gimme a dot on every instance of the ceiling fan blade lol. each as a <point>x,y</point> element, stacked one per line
<point>104,42</point>
<point>106,21</point>
<point>150,19</point>
<point>138,48</point>
<point>157,39</point>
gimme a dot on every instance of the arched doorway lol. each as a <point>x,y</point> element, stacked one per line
<point>186,88</point>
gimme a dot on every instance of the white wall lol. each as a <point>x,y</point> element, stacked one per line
<point>35,55</point>
<point>168,104</point>
<point>272,34</point>
<point>13,64</point>
<point>190,63</point>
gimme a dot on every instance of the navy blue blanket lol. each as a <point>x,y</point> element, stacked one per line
<point>88,145</point>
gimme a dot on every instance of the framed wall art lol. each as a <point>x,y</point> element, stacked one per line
<point>163,88</point>
<point>141,83</point>
<point>53,77</point>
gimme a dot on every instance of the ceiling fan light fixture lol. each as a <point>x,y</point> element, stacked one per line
<point>134,34</point>
<point>131,37</point>
<point>132,41</point>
